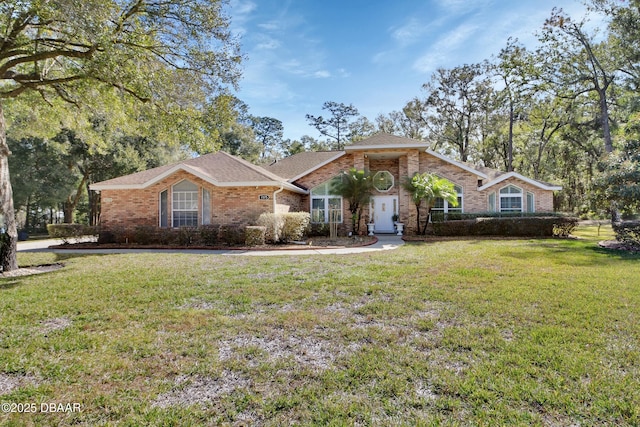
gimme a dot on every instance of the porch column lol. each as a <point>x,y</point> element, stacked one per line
<point>358,160</point>
<point>409,165</point>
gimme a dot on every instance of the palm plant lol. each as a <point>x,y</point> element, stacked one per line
<point>356,186</point>
<point>429,187</point>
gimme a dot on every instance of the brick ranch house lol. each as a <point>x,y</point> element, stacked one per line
<point>222,189</point>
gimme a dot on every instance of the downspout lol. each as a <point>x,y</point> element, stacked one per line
<point>274,198</point>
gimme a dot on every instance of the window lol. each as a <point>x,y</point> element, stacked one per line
<point>164,209</point>
<point>206,207</point>
<point>492,202</point>
<point>442,205</point>
<point>531,206</point>
<point>325,207</point>
<point>510,199</point>
<point>185,204</point>
<point>383,181</point>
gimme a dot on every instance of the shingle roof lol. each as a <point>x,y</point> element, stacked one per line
<point>219,168</point>
<point>386,140</point>
<point>302,163</point>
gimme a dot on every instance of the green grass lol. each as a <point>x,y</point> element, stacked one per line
<point>460,332</point>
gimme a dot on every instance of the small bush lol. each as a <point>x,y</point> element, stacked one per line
<point>295,225</point>
<point>254,235</point>
<point>70,232</point>
<point>209,235</point>
<point>628,232</point>
<point>145,235</point>
<point>232,235</point>
<point>563,227</point>
<point>274,224</point>
<point>187,236</point>
<point>318,229</point>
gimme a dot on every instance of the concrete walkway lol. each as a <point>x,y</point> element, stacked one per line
<point>385,242</point>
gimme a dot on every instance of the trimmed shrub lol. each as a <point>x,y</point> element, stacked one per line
<point>232,235</point>
<point>146,235</point>
<point>187,236</point>
<point>628,232</point>
<point>209,235</point>
<point>254,235</point>
<point>509,226</point>
<point>563,227</point>
<point>274,224</point>
<point>295,225</point>
<point>70,232</point>
<point>318,229</point>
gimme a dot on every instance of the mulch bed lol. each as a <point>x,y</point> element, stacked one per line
<point>311,243</point>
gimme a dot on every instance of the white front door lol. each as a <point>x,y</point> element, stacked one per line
<point>384,207</point>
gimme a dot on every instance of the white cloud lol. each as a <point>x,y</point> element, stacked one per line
<point>445,47</point>
<point>322,74</point>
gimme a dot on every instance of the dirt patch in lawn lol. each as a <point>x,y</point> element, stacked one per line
<point>614,245</point>
<point>28,271</point>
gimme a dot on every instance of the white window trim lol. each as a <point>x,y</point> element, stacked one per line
<point>511,195</point>
<point>459,208</point>
<point>531,208</point>
<point>393,181</point>
<point>326,198</point>
<point>173,200</point>
<point>495,207</point>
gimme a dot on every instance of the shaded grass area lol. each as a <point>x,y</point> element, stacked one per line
<point>458,332</point>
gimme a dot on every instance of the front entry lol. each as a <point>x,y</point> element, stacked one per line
<point>384,208</point>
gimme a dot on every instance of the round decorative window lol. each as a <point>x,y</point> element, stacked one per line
<point>383,181</point>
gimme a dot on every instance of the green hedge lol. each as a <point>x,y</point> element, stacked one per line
<point>206,235</point>
<point>510,226</point>
<point>284,227</point>
<point>628,232</point>
<point>70,232</point>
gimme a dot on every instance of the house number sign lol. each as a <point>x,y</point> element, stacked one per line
<point>264,197</point>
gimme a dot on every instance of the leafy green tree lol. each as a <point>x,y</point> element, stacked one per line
<point>619,182</point>
<point>335,127</point>
<point>152,50</point>
<point>356,186</point>
<point>268,133</point>
<point>576,64</point>
<point>428,187</point>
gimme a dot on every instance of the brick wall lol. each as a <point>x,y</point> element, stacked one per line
<point>229,205</point>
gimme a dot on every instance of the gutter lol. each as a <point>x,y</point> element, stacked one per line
<point>274,197</point>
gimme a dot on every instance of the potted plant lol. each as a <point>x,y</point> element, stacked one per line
<point>370,225</point>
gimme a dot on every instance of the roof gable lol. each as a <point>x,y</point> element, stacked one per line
<point>386,140</point>
<point>220,169</point>
<point>298,165</point>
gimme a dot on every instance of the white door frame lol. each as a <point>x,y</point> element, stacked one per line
<point>382,209</point>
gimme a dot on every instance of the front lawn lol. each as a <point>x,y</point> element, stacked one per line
<point>456,332</point>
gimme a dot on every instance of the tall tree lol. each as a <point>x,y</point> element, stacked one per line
<point>335,127</point>
<point>268,133</point>
<point>148,49</point>
<point>576,64</point>
<point>450,110</point>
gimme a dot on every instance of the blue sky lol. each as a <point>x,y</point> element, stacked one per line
<point>373,54</point>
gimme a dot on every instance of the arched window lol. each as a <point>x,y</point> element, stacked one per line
<point>510,199</point>
<point>326,207</point>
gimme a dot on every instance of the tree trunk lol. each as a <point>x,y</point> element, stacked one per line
<point>424,230</point>
<point>9,240</point>
<point>604,114</point>
<point>510,142</point>
<point>418,219</point>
